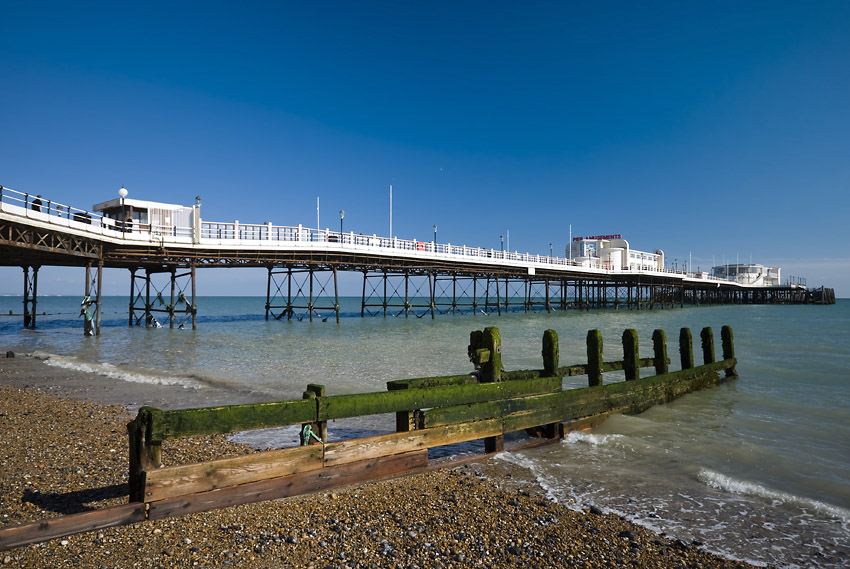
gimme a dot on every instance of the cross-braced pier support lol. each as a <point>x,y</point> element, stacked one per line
<point>180,306</point>
<point>397,293</point>
<point>307,293</point>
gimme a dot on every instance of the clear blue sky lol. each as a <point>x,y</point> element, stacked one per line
<point>711,129</point>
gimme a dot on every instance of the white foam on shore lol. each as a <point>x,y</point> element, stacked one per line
<point>583,437</point>
<point>746,488</point>
<point>113,372</point>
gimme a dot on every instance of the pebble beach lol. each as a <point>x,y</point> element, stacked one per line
<point>64,450</point>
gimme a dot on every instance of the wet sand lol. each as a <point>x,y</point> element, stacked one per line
<point>64,450</point>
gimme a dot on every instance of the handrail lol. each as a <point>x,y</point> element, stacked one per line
<point>220,233</point>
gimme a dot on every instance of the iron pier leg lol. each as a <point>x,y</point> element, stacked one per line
<point>432,280</point>
<point>336,296</point>
<point>363,298</point>
<point>147,297</point>
<point>30,295</point>
<point>289,293</point>
<point>194,306</point>
<point>310,303</point>
<point>171,304</point>
<point>406,298</point>
<point>132,294</point>
<point>268,291</point>
<point>385,293</point>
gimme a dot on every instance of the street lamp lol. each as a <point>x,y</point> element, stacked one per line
<point>502,243</point>
<point>550,250</point>
<point>435,233</point>
<point>341,216</point>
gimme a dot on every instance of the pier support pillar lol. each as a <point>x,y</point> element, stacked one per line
<point>93,288</point>
<point>30,295</point>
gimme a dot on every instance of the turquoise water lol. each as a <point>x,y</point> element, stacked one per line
<point>756,469</point>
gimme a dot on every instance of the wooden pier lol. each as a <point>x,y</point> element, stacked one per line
<point>400,277</point>
<point>430,412</point>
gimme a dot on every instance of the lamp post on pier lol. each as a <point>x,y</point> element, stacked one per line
<point>502,244</point>
<point>341,216</point>
<point>435,234</point>
<point>550,250</point>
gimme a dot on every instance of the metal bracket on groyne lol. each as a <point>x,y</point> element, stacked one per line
<point>430,412</point>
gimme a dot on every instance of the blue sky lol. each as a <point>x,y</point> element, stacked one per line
<point>710,129</point>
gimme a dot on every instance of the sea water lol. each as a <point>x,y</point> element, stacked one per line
<point>755,469</point>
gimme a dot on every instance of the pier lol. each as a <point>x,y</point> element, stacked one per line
<point>162,246</point>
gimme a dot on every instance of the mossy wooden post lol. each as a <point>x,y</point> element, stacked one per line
<point>145,454</point>
<point>320,428</point>
<point>707,337</point>
<point>491,372</point>
<point>551,357</point>
<point>728,348</point>
<point>686,348</point>
<point>594,358</point>
<point>659,344</point>
<point>631,357</point>
<point>404,420</point>
<point>491,340</point>
<point>550,353</point>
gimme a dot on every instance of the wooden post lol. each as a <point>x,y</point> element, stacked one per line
<point>491,340</point>
<point>631,356</point>
<point>145,454</point>
<point>728,348</point>
<point>550,353</point>
<point>659,343</point>
<point>594,358</point>
<point>686,348</point>
<point>320,428</point>
<point>707,337</point>
<point>491,372</point>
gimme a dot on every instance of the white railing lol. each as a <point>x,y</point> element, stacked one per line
<point>223,233</point>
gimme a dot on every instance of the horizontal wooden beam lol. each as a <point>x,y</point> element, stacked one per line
<point>356,405</point>
<point>227,418</point>
<point>162,483</point>
<point>69,525</point>
<point>286,486</point>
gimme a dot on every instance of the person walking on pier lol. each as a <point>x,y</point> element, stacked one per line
<point>36,203</point>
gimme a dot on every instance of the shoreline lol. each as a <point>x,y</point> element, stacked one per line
<point>66,450</point>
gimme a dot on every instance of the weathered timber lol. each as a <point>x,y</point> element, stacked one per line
<point>428,382</point>
<point>686,348</point>
<point>631,357</point>
<point>174,481</point>
<point>486,410</point>
<point>707,338</point>
<point>292,485</point>
<point>43,530</point>
<point>344,452</point>
<point>659,346</point>
<point>594,358</point>
<point>728,341</point>
<point>357,405</point>
<point>228,418</point>
<point>491,370</point>
<point>550,353</point>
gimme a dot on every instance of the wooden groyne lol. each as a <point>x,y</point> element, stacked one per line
<point>430,412</point>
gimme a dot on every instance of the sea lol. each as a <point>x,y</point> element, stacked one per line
<point>756,469</point>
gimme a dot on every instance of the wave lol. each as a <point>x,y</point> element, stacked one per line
<point>113,372</point>
<point>584,437</point>
<point>744,487</point>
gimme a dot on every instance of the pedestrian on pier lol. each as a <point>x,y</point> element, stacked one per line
<point>36,203</point>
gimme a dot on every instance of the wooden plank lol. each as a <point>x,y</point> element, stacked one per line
<point>487,410</point>
<point>286,486</point>
<point>162,483</point>
<point>228,418</point>
<point>344,452</point>
<point>356,405</point>
<point>429,382</point>
<point>71,524</point>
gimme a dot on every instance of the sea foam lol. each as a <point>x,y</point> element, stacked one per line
<point>113,372</point>
<point>747,488</point>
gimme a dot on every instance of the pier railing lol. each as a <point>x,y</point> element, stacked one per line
<point>265,235</point>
